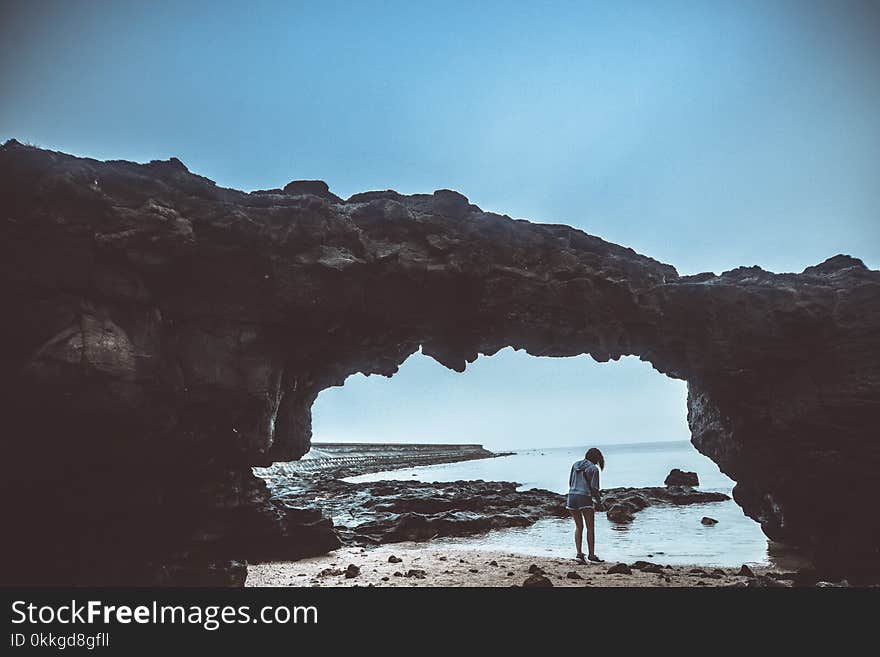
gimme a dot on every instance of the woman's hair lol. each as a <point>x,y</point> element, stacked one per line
<point>596,457</point>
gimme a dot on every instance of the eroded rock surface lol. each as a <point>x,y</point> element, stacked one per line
<point>162,335</point>
<point>678,477</point>
<point>391,511</point>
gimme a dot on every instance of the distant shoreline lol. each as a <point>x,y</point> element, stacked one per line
<point>340,460</point>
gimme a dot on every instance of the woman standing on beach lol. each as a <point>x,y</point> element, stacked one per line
<point>583,488</point>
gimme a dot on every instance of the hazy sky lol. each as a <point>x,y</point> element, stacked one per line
<point>705,134</point>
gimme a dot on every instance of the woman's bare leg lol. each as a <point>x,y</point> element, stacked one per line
<point>590,522</point>
<point>578,530</point>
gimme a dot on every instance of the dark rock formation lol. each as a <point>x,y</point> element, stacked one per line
<point>623,503</point>
<point>163,335</point>
<point>393,511</point>
<point>678,477</point>
<point>620,513</point>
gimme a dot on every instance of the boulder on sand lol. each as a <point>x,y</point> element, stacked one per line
<point>745,571</point>
<point>537,581</point>
<point>620,569</point>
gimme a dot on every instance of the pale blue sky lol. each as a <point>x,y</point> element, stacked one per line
<point>705,134</point>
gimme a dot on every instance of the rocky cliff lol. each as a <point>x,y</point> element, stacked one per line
<point>164,334</point>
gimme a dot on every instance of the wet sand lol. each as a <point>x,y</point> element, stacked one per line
<point>443,567</point>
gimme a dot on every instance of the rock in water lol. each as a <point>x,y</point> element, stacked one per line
<point>536,581</point>
<point>706,520</point>
<point>681,478</point>
<point>201,323</point>
<point>620,513</point>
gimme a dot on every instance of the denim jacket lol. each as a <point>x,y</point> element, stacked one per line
<point>584,478</point>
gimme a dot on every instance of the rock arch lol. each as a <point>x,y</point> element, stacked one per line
<point>164,334</point>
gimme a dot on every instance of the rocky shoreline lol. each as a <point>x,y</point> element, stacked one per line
<point>387,530</point>
<point>389,511</point>
<point>412,564</point>
<point>338,460</point>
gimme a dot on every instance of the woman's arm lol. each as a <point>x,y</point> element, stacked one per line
<point>596,490</point>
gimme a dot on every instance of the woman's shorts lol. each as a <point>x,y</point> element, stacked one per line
<point>576,502</point>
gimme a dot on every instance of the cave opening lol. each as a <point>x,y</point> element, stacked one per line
<point>541,414</point>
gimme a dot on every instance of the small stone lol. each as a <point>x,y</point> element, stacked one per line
<point>537,581</point>
<point>573,575</point>
<point>385,579</point>
<point>394,559</point>
<point>536,570</point>
<point>415,572</point>
<point>706,520</point>
<point>620,569</point>
<point>745,571</point>
<point>352,571</point>
<point>397,573</point>
<point>473,570</point>
<point>442,558</point>
<point>493,563</point>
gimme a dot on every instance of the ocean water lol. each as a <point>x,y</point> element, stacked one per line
<point>665,534</point>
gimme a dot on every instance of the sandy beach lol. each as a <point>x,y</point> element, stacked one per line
<point>422,564</point>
